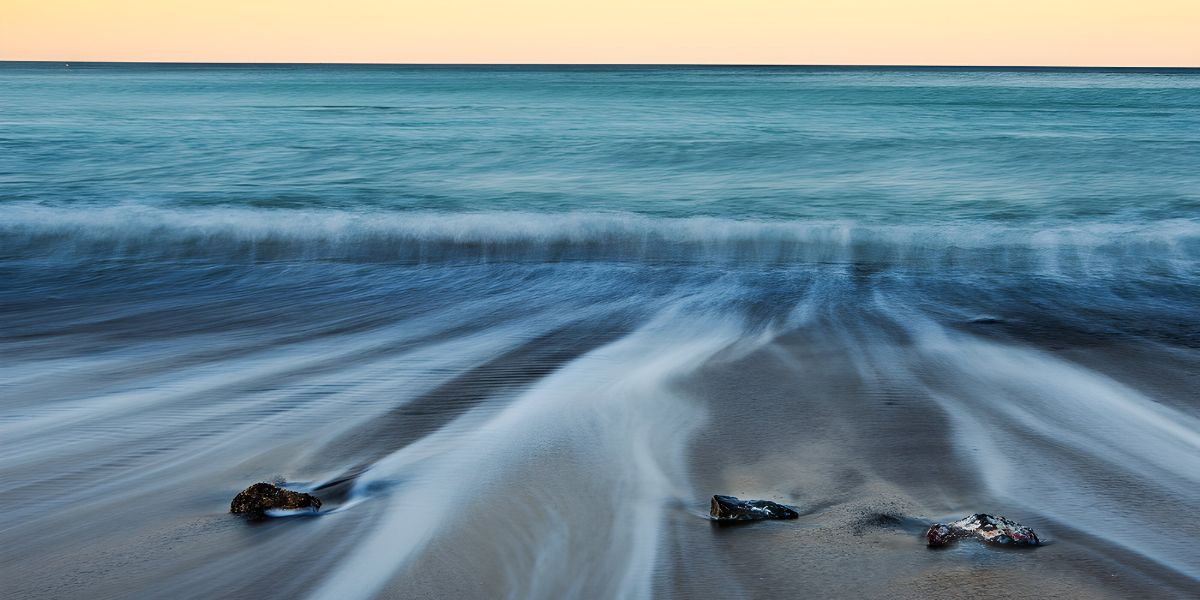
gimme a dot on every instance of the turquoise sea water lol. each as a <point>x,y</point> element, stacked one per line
<point>919,292</point>
<point>879,146</point>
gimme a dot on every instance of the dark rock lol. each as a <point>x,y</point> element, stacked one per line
<point>728,508</point>
<point>257,499</point>
<point>986,528</point>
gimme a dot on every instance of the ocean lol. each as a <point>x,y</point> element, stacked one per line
<point>515,325</point>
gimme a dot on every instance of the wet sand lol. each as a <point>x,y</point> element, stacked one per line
<point>576,457</point>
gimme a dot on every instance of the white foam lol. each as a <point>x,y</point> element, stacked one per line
<point>613,411</point>
<point>265,233</point>
<point>1025,417</point>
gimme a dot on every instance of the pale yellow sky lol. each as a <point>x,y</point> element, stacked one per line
<point>937,32</point>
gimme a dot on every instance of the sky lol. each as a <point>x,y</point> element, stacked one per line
<point>893,32</point>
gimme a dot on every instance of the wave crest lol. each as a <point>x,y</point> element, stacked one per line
<point>267,235</point>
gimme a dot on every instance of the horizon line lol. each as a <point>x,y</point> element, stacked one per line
<point>602,64</point>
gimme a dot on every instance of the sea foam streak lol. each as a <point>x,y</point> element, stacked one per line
<point>1027,417</point>
<point>613,414</point>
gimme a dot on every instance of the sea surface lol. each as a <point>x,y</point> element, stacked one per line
<point>516,325</point>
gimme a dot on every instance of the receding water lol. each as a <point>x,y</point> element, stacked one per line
<point>515,325</point>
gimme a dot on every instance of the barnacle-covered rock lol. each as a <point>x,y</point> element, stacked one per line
<point>986,528</point>
<point>257,499</point>
<point>728,508</point>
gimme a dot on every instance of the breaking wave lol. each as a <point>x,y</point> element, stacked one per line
<point>1169,247</point>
